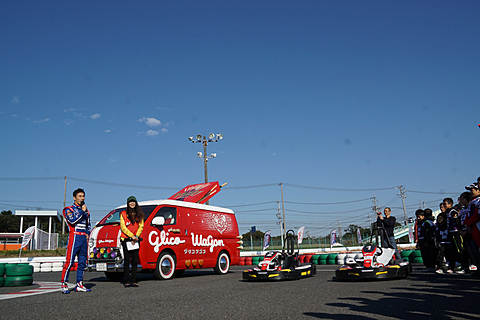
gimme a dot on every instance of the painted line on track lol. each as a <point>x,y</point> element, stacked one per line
<point>45,287</point>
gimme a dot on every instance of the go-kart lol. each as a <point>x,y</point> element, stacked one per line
<point>284,265</point>
<point>377,263</point>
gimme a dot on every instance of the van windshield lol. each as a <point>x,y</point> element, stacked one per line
<point>114,216</point>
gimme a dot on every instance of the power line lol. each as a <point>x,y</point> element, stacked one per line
<point>336,189</point>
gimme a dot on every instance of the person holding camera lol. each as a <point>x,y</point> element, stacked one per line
<point>131,225</point>
<point>77,217</point>
<point>389,224</point>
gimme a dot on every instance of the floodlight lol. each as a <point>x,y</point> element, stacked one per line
<point>199,154</point>
<point>211,136</point>
<point>219,136</point>
<point>213,155</point>
<point>199,137</point>
<point>190,138</point>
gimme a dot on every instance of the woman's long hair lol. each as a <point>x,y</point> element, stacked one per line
<point>135,214</point>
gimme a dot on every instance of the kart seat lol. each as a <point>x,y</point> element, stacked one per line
<point>288,262</point>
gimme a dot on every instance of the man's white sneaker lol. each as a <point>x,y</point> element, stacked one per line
<point>81,288</point>
<point>439,271</point>
<point>65,288</point>
<point>472,267</point>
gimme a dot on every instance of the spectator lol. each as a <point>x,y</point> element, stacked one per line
<point>389,224</point>
<point>426,242</point>
<point>471,252</point>
<point>444,231</point>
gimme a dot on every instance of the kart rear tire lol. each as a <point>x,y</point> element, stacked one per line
<point>223,263</point>
<point>165,268</point>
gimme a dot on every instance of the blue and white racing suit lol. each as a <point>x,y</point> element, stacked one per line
<point>79,227</point>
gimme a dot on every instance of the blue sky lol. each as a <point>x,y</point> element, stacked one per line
<point>338,100</point>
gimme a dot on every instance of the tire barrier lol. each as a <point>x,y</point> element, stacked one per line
<point>255,260</point>
<point>18,269</point>
<point>416,259</point>
<point>301,258</point>
<point>341,258</point>
<point>57,266</point>
<point>405,254</point>
<point>308,258</point>
<point>415,254</point>
<point>315,259</point>
<point>46,267</point>
<point>18,274</point>
<point>36,266</point>
<point>2,269</point>
<point>18,281</point>
<point>248,261</point>
<point>331,261</point>
<point>241,262</point>
<point>2,281</point>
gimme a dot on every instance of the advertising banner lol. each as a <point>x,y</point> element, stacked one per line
<point>410,234</point>
<point>27,236</point>
<point>266,240</point>
<point>359,236</point>
<point>300,234</point>
<point>333,237</point>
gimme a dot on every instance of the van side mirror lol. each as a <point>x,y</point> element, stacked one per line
<point>158,221</point>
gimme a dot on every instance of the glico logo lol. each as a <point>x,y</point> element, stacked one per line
<point>162,240</point>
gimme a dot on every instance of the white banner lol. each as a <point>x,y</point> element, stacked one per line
<point>300,234</point>
<point>359,236</point>
<point>266,240</point>
<point>27,236</point>
<point>333,237</point>
<point>410,234</point>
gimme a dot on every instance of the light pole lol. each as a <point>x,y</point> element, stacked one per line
<point>205,140</point>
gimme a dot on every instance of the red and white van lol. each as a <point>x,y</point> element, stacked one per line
<point>179,233</point>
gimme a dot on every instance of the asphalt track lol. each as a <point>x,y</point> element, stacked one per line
<point>204,295</point>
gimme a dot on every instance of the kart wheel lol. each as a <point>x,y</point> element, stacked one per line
<point>114,276</point>
<point>223,263</point>
<point>165,266</point>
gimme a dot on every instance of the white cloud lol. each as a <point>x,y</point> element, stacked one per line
<point>41,121</point>
<point>164,130</point>
<point>151,122</point>
<point>108,130</point>
<point>95,116</point>
<point>15,100</point>
<point>68,122</point>
<point>152,133</point>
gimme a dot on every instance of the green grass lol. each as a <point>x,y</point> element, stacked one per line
<point>60,252</point>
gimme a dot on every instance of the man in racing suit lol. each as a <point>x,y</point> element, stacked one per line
<point>78,220</point>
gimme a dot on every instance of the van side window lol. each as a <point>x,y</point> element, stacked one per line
<point>169,213</point>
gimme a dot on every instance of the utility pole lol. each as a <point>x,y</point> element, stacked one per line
<point>339,230</point>
<point>283,210</point>
<point>402,194</point>
<point>279,216</point>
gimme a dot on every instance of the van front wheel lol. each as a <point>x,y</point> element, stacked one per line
<point>165,266</point>
<point>223,263</point>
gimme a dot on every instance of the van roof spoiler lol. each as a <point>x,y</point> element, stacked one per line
<point>198,193</point>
